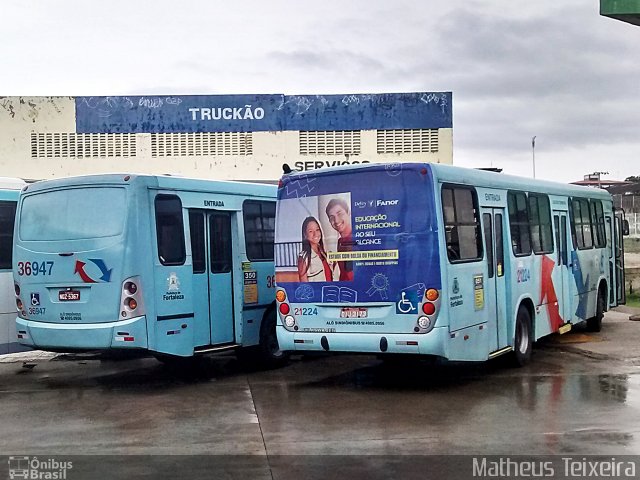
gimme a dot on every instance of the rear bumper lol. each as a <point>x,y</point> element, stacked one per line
<point>131,333</point>
<point>432,343</point>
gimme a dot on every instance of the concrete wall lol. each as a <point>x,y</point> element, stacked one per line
<point>39,139</point>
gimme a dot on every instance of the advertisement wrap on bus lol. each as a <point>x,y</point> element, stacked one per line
<point>340,243</point>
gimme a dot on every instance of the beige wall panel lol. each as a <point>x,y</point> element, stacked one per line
<point>20,117</point>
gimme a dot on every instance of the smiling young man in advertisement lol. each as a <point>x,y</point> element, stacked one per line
<point>340,219</point>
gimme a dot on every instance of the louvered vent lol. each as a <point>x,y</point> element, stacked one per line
<point>82,145</point>
<point>407,141</point>
<point>343,142</point>
<point>201,144</point>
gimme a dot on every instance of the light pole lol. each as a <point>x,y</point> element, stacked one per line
<point>533,153</point>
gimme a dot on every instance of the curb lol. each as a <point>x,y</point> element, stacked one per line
<point>584,353</point>
<point>29,356</point>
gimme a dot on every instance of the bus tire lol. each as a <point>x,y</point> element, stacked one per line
<point>175,362</point>
<point>523,341</point>
<point>594,324</point>
<point>269,351</point>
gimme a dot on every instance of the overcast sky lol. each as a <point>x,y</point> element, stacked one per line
<point>517,68</point>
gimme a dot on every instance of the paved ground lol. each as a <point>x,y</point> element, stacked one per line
<point>619,339</point>
<point>326,416</point>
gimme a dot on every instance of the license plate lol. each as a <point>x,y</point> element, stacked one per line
<point>353,312</point>
<point>69,295</point>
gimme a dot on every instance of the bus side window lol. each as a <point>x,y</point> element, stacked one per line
<point>581,223</point>
<point>519,223</point>
<point>499,245</point>
<point>540,221</point>
<point>259,229</point>
<point>556,224</point>
<point>597,221</point>
<point>196,230</point>
<point>7,218</point>
<point>488,242</point>
<point>170,230</point>
<point>220,242</point>
<point>461,223</point>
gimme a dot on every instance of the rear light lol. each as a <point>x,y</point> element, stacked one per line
<point>19,304</point>
<point>424,322</point>
<point>429,308</point>
<point>281,296</point>
<point>429,311</point>
<point>289,321</point>
<point>432,294</point>
<point>131,304</point>
<point>16,287</point>
<point>284,308</point>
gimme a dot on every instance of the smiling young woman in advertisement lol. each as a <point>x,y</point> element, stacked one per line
<point>313,265</point>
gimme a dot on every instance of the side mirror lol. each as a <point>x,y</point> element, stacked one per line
<point>625,227</point>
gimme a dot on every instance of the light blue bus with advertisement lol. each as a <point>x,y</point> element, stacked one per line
<point>170,265</point>
<point>441,261</point>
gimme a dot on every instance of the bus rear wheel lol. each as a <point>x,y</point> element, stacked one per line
<point>269,352</point>
<point>594,324</point>
<point>523,343</point>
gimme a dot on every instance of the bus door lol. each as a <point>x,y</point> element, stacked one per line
<point>212,276</point>
<point>611,256</point>
<point>618,249</point>
<point>561,272</point>
<point>493,221</point>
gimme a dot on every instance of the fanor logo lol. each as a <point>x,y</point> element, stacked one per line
<point>386,203</point>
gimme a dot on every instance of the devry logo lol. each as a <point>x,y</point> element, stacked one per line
<point>360,204</point>
<point>34,468</point>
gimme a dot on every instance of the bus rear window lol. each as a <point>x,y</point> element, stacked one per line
<point>73,214</point>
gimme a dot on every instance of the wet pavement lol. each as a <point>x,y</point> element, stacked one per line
<point>579,396</point>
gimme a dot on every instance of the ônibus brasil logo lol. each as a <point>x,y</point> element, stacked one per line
<point>34,468</point>
<point>100,270</point>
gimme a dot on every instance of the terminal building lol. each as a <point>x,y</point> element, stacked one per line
<point>228,137</point>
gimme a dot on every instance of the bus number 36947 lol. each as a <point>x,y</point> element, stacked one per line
<point>34,268</point>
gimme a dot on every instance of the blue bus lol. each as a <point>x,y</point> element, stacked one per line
<point>440,261</point>
<point>9,193</point>
<point>169,265</point>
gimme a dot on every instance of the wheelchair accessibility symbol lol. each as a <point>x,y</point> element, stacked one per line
<point>35,299</point>
<point>404,305</point>
<point>410,298</point>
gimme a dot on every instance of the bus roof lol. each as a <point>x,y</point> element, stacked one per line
<point>10,183</point>
<point>471,176</point>
<point>161,182</point>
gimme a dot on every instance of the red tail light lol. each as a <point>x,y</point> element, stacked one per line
<point>429,308</point>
